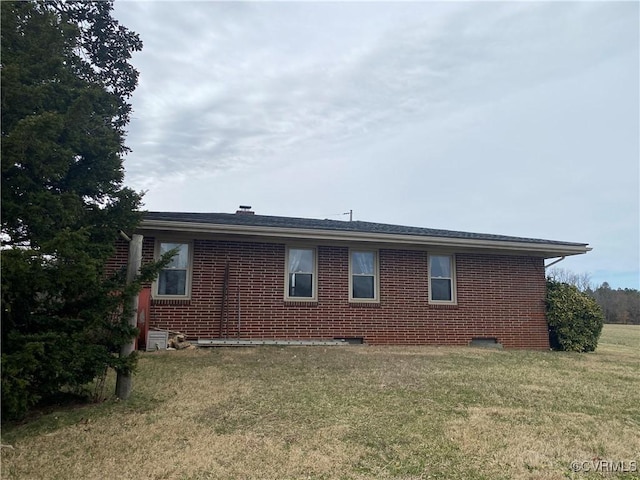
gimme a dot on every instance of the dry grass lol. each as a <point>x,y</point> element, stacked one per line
<point>348,412</point>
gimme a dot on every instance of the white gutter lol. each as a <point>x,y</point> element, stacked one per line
<point>546,249</point>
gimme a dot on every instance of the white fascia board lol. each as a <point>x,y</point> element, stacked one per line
<point>548,250</point>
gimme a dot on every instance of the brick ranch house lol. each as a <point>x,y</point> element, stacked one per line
<point>247,276</point>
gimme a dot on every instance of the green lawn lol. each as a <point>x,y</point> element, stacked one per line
<point>350,412</point>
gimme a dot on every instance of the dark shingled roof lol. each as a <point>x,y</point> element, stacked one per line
<point>244,219</point>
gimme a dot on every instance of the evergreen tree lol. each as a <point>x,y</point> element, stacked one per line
<point>65,84</point>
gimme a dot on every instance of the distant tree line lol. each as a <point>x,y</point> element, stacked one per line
<point>619,305</point>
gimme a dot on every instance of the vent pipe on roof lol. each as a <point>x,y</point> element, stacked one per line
<point>245,210</point>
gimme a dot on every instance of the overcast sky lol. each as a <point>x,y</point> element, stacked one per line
<point>509,118</point>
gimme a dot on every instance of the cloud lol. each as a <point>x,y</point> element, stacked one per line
<point>229,85</point>
<point>516,118</point>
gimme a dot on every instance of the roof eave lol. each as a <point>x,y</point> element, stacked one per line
<point>546,250</point>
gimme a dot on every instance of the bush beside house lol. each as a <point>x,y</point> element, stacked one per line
<point>575,319</point>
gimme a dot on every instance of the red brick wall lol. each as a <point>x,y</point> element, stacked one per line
<point>498,296</point>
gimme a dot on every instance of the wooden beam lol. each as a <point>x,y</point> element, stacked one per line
<point>124,382</point>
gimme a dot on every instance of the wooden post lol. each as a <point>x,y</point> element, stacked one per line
<point>124,381</point>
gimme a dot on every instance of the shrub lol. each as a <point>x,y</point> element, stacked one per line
<point>38,366</point>
<point>575,319</point>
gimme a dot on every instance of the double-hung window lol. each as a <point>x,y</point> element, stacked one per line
<point>301,281</point>
<point>174,279</point>
<point>363,271</point>
<point>442,279</point>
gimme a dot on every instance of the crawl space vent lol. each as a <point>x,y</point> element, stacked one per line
<point>485,342</point>
<point>350,340</point>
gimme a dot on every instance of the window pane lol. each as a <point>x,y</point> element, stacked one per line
<point>300,285</point>
<point>300,260</point>
<point>363,287</point>
<point>441,266</point>
<point>181,259</point>
<point>172,282</point>
<point>362,263</point>
<point>440,289</point>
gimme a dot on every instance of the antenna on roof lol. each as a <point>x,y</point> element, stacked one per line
<point>350,213</point>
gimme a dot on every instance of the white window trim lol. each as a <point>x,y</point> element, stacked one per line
<point>376,278</point>
<point>454,293</point>
<point>314,280</point>
<point>154,287</point>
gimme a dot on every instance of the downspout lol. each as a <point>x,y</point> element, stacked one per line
<point>238,310</point>
<point>224,302</point>
<point>554,262</point>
